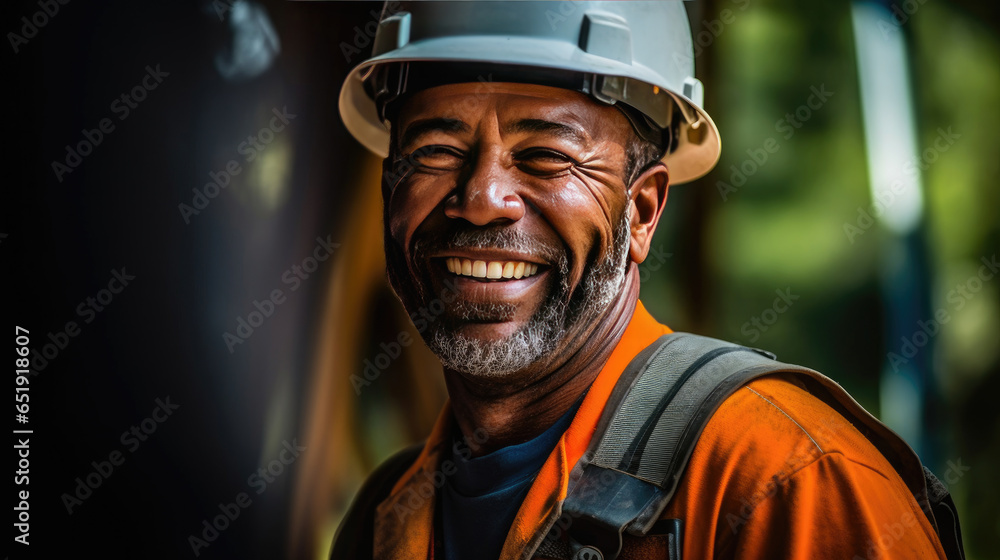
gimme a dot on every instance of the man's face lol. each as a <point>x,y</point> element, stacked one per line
<point>506,222</point>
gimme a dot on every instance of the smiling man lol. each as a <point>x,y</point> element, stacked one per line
<point>536,243</point>
<point>529,149</point>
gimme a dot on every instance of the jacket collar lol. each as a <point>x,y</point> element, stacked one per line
<point>404,521</point>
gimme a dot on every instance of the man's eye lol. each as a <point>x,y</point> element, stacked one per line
<point>541,161</point>
<point>438,157</point>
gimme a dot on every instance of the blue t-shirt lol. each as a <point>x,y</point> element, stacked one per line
<point>480,500</point>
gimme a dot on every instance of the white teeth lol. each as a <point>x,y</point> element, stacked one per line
<point>508,270</point>
<point>493,270</point>
<point>479,269</point>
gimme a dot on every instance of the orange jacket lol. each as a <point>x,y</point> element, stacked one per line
<point>776,474</point>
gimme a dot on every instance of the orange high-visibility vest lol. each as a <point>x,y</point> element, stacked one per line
<point>776,474</point>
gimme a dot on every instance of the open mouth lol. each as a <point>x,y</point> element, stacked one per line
<point>496,271</point>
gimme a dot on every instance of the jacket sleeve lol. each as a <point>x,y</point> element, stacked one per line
<point>779,474</point>
<point>835,508</point>
<point>355,536</point>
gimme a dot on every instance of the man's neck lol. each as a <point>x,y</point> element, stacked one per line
<point>509,418</point>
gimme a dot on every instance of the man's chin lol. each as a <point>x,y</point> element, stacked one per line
<point>494,350</point>
<point>492,322</point>
<point>487,333</point>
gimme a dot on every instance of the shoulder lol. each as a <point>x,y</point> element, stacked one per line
<point>784,416</point>
<point>776,459</point>
<point>356,532</point>
<point>772,428</point>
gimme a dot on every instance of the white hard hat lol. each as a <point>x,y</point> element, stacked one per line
<point>636,55</point>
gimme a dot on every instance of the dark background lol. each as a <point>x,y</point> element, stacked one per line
<point>162,335</point>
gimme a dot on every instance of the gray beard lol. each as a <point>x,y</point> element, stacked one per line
<point>600,285</point>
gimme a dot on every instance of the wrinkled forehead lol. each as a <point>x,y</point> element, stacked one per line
<point>515,107</point>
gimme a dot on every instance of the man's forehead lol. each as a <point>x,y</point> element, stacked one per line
<point>521,108</point>
<point>484,89</point>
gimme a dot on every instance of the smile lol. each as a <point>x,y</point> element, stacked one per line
<point>490,270</point>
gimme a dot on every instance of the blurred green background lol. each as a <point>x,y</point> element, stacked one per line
<point>785,228</point>
<point>721,253</point>
<point>795,224</point>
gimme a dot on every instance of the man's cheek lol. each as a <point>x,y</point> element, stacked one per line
<point>585,256</point>
<point>405,215</point>
<point>401,227</point>
<point>575,278</point>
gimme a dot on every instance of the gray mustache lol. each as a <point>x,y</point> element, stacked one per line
<point>498,238</point>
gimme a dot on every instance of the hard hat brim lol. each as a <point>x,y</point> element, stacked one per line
<point>696,154</point>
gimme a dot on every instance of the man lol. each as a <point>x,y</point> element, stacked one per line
<point>530,148</point>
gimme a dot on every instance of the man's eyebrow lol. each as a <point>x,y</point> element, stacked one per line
<point>423,126</point>
<point>563,130</point>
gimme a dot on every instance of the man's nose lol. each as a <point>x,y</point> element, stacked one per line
<point>488,194</point>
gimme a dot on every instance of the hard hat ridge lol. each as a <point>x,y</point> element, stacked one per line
<point>634,55</point>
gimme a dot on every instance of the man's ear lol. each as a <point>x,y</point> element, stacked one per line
<point>648,196</point>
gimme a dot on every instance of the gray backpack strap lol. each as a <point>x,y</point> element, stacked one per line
<point>650,424</point>
<point>648,431</point>
<point>946,515</point>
